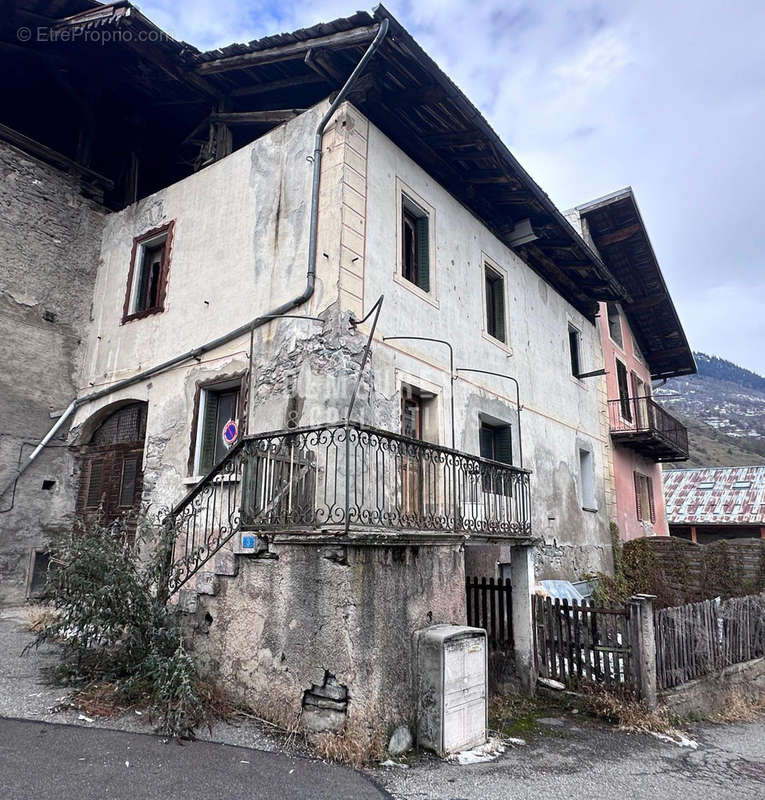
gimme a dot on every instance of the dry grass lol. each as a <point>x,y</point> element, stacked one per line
<point>41,619</point>
<point>739,708</point>
<point>628,713</point>
<point>358,744</point>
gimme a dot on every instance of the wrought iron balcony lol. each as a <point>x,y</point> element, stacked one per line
<point>340,480</point>
<point>643,425</point>
<point>358,478</point>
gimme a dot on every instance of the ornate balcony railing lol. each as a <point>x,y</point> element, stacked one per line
<point>338,480</point>
<point>641,423</point>
<point>356,478</point>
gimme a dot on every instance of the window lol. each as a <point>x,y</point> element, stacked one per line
<point>95,482</point>
<point>614,323</point>
<point>587,479</point>
<point>624,391</point>
<point>415,242</point>
<point>646,511</point>
<point>217,405</point>
<point>495,303</point>
<point>573,346</point>
<point>496,442</point>
<point>147,279</point>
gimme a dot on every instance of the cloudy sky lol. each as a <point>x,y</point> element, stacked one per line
<point>668,97</point>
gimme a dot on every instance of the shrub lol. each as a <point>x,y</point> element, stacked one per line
<point>112,622</point>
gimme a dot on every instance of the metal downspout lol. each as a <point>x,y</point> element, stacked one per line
<point>258,321</point>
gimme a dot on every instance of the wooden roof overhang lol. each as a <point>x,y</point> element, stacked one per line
<point>619,233</point>
<point>163,100</point>
<point>406,95</point>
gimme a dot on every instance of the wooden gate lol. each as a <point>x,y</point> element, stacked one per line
<point>489,606</point>
<point>576,642</point>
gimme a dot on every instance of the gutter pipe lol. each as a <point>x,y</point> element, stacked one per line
<point>279,311</point>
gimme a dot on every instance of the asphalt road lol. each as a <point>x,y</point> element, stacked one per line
<point>570,758</point>
<point>41,761</point>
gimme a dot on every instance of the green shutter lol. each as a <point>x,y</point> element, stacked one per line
<point>209,433</point>
<point>499,309</point>
<point>423,254</point>
<point>504,444</point>
<point>486,441</point>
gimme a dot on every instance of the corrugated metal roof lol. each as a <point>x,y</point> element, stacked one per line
<point>715,496</point>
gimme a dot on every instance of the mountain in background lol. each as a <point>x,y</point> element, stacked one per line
<point>723,407</point>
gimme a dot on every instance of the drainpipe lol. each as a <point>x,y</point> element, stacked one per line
<point>248,327</point>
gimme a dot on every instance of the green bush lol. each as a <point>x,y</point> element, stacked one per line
<point>112,622</point>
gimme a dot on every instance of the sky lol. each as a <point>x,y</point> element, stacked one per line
<point>666,97</point>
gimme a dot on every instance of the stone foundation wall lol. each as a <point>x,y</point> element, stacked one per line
<point>712,693</point>
<point>327,631</point>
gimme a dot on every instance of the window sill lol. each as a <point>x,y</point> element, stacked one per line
<point>428,297</point>
<point>497,342</point>
<point>590,510</point>
<point>142,314</point>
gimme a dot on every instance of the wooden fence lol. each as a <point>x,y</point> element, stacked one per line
<point>489,606</point>
<point>577,642</point>
<point>700,638</point>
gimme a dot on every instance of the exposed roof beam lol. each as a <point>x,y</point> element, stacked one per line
<point>255,117</point>
<point>287,52</point>
<point>455,139</point>
<point>422,95</point>
<point>644,303</point>
<point>273,86</point>
<point>618,235</point>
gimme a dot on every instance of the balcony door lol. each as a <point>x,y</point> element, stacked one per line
<point>640,395</point>
<point>411,465</point>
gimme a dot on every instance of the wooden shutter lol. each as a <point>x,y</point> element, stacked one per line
<point>503,444</point>
<point>638,502</point>
<point>499,308</point>
<point>128,483</point>
<point>486,441</point>
<point>95,481</point>
<point>423,254</point>
<point>651,504</point>
<point>209,432</point>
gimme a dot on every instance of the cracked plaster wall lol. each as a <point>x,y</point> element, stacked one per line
<point>281,624</point>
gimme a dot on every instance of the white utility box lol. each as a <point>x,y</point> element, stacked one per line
<point>452,691</point>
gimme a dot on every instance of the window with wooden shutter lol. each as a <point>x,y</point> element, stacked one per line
<point>220,405</point>
<point>415,257</point>
<point>624,391</point>
<point>95,483</point>
<point>495,304</point>
<point>496,442</point>
<point>573,347</point>
<point>646,510</point>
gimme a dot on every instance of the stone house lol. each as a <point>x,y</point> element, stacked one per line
<point>212,299</point>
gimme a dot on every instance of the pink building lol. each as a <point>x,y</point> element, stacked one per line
<point>643,341</point>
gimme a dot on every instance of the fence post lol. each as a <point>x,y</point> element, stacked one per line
<point>643,644</point>
<point>521,591</point>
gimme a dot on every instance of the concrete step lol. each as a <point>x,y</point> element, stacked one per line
<point>226,564</point>
<point>207,583</point>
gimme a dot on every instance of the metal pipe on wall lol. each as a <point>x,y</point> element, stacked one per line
<point>517,401</point>
<point>258,321</point>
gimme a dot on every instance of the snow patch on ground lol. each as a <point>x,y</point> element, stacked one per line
<point>678,738</point>
<point>478,755</point>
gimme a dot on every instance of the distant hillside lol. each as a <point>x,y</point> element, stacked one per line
<point>724,409</point>
<point>714,367</point>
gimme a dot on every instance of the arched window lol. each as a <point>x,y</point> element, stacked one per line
<point>111,477</point>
